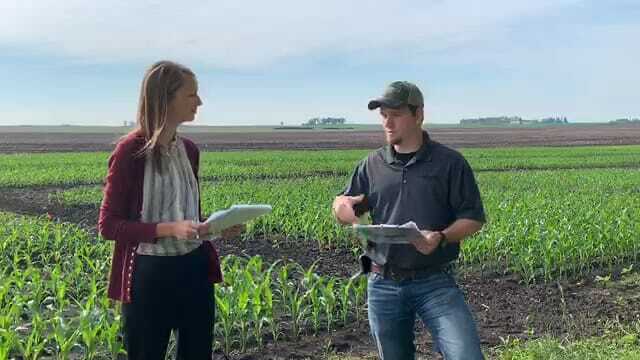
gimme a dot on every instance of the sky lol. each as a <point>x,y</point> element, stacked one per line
<point>270,62</point>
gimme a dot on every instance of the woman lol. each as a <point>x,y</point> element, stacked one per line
<point>161,270</point>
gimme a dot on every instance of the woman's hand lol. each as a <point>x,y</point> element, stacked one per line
<point>233,232</point>
<point>185,230</point>
<point>182,230</point>
<point>203,229</point>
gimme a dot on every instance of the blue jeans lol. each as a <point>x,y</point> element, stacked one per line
<point>440,304</point>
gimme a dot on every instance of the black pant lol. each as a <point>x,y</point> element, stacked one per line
<point>170,292</point>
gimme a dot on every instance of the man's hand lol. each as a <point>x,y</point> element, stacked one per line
<point>428,242</point>
<point>343,208</point>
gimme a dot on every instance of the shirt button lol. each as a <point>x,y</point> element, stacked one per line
<point>404,181</point>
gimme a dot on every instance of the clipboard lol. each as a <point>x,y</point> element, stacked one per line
<point>235,215</point>
<point>388,234</point>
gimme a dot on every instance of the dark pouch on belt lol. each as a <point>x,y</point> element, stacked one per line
<point>365,264</point>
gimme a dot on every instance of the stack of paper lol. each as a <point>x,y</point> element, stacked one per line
<point>388,234</point>
<point>235,215</point>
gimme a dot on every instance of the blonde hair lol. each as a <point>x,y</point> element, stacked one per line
<point>160,83</point>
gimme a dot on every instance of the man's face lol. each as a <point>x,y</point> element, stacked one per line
<point>400,124</point>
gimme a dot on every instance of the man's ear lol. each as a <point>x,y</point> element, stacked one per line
<point>419,116</point>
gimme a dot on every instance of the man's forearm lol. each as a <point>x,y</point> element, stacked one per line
<point>461,229</point>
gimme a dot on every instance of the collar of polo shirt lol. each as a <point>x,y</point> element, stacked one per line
<point>423,153</point>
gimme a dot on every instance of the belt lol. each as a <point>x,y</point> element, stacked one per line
<point>398,274</point>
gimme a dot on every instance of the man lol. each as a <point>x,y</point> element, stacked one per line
<point>414,178</point>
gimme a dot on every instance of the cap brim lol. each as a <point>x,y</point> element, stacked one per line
<point>382,102</point>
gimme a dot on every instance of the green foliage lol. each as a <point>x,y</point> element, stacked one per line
<point>541,224</point>
<point>20,170</point>
<point>619,345</point>
<point>53,295</point>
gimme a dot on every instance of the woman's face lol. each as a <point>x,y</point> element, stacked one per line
<point>184,105</point>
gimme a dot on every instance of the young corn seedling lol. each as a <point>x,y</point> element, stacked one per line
<point>292,299</point>
<point>345,301</point>
<point>269,309</point>
<point>90,329</point>
<point>329,300</point>
<point>35,342</point>
<point>8,342</point>
<point>65,338</point>
<point>111,331</point>
<point>242,318</point>
<point>9,316</point>
<point>316,304</point>
<point>298,310</point>
<point>360,295</point>
<point>226,321</point>
<point>257,315</point>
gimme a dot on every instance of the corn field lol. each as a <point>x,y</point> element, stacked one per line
<point>55,304</point>
<point>552,213</point>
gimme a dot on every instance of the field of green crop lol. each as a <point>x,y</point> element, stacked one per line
<point>68,169</point>
<point>552,213</point>
<point>542,223</point>
<point>54,304</point>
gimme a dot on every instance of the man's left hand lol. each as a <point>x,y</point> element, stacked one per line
<point>428,242</point>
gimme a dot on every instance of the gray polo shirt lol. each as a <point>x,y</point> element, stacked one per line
<point>433,189</point>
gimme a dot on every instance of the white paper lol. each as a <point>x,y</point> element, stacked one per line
<point>235,215</point>
<point>388,234</point>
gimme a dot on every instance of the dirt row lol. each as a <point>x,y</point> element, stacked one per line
<point>504,308</point>
<point>18,142</point>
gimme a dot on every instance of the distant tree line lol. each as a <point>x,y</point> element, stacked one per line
<point>325,121</point>
<point>512,120</point>
<point>554,120</point>
<point>625,121</point>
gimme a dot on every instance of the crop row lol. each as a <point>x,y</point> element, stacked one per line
<point>90,168</point>
<point>541,224</point>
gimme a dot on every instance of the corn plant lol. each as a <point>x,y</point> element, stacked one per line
<point>90,333</point>
<point>8,342</point>
<point>242,318</point>
<point>65,336</point>
<point>346,302</point>
<point>360,292</point>
<point>36,341</point>
<point>225,320</point>
<point>329,300</point>
<point>274,327</point>
<point>258,316</point>
<point>111,331</point>
<point>293,298</point>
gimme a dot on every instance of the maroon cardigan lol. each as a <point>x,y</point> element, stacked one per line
<point>120,213</point>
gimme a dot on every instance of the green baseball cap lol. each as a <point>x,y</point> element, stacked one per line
<point>398,94</point>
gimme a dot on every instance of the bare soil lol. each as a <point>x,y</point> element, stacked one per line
<point>17,142</point>
<point>503,306</point>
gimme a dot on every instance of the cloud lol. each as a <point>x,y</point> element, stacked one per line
<point>246,34</point>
